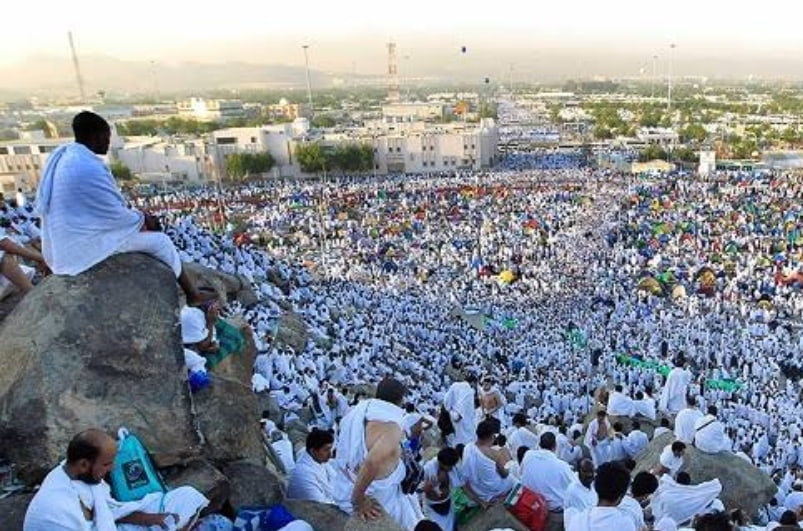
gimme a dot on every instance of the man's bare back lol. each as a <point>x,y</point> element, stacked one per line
<point>384,439</point>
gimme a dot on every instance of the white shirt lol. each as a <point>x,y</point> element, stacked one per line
<point>669,461</point>
<point>579,498</point>
<point>684,424</point>
<point>543,472</point>
<point>634,510</point>
<point>599,519</point>
<point>311,480</point>
<point>793,501</point>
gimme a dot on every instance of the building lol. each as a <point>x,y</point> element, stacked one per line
<point>152,159</point>
<point>11,182</point>
<point>278,140</point>
<point>413,111</point>
<point>418,147</point>
<point>288,111</point>
<point>211,110</point>
<point>27,157</point>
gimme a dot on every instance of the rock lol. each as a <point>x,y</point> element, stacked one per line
<point>201,475</point>
<point>228,287</point>
<point>268,403</point>
<point>743,485</point>
<point>297,432</point>
<point>100,349</point>
<point>228,411</point>
<point>9,302</point>
<point>275,278</point>
<point>252,484</point>
<point>367,390</point>
<point>319,515</point>
<point>496,517</point>
<point>13,510</point>
<point>292,331</point>
<point>383,523</point>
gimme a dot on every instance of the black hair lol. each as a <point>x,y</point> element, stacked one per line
<point>644,484</point>
<point>486,429</point>
<point>611,481</point>
<point>788,518</point>
<point>636,425</point>
<point>717,521</point>
<point>520,453</point>
<point>265,414</point>
<point>684,478</point>
<point>82,447</point>
<point>448,457</point>
<point>548,441</point>
<point>317,439</point>
<point>664,422</point>
<point>519,419</point>
<point>427,525</point>
<point>87,125</point>
<point>391,390</point>
<point>712,410</point>
<point>409,407</point>
<point>678,446</point>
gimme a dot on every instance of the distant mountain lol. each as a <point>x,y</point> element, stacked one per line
<point>53,75</point>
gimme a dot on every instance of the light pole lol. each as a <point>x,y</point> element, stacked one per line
<point>309,84</point>
<point>654,76</point>
<point>669,92</point>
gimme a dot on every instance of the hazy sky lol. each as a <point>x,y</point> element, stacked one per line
<point>348,34</point>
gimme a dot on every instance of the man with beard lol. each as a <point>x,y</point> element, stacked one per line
<point>74,496</point>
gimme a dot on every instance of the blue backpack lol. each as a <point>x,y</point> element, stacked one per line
<point>133,475</point>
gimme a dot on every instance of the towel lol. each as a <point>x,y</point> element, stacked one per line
<point>84,216</point>
<point>351,448</point>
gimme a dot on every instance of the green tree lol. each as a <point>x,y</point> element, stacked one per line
<point>323,121</point>
<point>694,133</point>
<point>685,154</point>
<point>352,158</point>
<point>652,152</point>
<point>239,165</point>
<point>120,171</point>
<point>311,157</point>
<point>602,132</point>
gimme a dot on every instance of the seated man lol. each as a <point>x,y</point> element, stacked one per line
<point>312,476</point>
<point>686,420</point>
<point>619,404</point>
<point>636,440</point>
<point>710,434</point>
<point>440,479</point>
<point>485,467</point>
<point>11,272</point>
<point>610,483</point>
<point>671,459</point>
<point>85,218</point>
<point>644,404</point>
<point>681,501</point>
<point>74,496</point>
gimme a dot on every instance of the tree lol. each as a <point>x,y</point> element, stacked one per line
<point>239,165</point>
<point>310,157</point>
<point>602,133</point>
<point>652,152</point>
<point>352,158</point>
<point>120,171</point>
<point>694,133</point>
<point>323,121</point>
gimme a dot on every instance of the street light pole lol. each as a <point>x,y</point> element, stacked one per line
<point>309,84</point>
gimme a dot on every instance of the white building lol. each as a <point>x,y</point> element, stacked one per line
<point>211,110</point>
<point>153,159</point>
<point>278,140</point>
<point>27,157</point>
<point>413,111</point>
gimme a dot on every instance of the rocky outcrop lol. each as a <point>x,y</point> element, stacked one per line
<point>292,331</point>
<point>252,484</point>
<point>318,515</point>
<point>495,517</point>
<point>228,411</point>
<point>100,349</point>
<point>383,523</point>
<point>208,480</point>
<point>12,511</point>
<point>228,287</point>
<point>743,485</point>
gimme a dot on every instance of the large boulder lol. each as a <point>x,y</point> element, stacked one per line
<point>319,515</point>
<point>495,517</point>
<point>205,478</point>
<point>100,349</point>
<point>292,331</point>
<point>383,523</point>
<point>12,511</point>
<point>253,484</point>
<point>228,287</point>
<point>743,485</point>
<point>228,411</point>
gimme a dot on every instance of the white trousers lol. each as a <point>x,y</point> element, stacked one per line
<point>155,244</point>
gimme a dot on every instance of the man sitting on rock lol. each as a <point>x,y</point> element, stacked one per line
<point>369,465</point>
<point>671,459</point>
<point>74,496</point>
<point>312,476</point>
<point>85,219</point>
<point>710,436</point>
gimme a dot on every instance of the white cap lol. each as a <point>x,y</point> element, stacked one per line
<point>193,326</point>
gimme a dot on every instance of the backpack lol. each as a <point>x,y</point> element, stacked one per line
<point>133,475</point>
<point>529,507</point>
<point>270,518</point>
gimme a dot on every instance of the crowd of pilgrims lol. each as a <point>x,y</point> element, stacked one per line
<point>542,283</point>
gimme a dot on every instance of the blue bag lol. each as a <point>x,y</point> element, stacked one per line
<point>270,518</point>
<point>133,475</point>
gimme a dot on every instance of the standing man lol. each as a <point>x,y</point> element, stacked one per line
<point>673,395</point>
<point>581,494</point>
<point>543,472</point>
<point>459,402</point>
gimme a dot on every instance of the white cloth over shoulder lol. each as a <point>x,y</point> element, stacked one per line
<point>84,216</point>
<point>599,519</point>
<point>620,405</point>
<point>459,401</point>
<point>57,505</point>
<point>669,461</point>
<point>682,502</point>
<point>673,395</point>
<point>351,453</point>
<point>311,480</point>
<point>482,475</point>
<point>710,436</point>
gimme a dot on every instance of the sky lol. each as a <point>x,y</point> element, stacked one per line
<point>348,35</point>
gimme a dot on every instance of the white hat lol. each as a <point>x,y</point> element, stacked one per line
<point>193,326</point>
